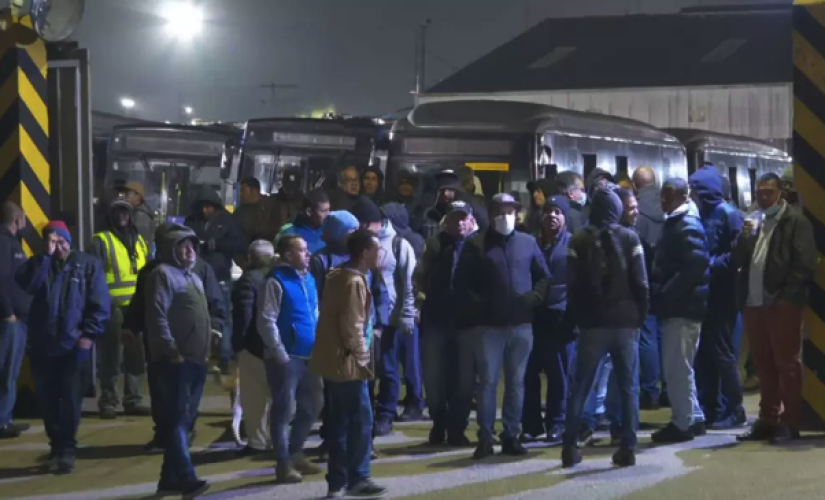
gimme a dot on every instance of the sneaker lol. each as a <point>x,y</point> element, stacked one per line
<point>624,457</point>
<point>511,446</point>
<point>671,434</point>
<point>760,431</point>
<point>438,436</point>
<point>287,475</point>
<point>138,411</point>
<point>10,431</point>
<point>751,384</point>
<point>107,413</point>
<point>66,463</point>
<point>304,466</point>
<point>153,446</point>
<point>570,456</point>
<point>585,438</point>
<point>339,493</point>
<point>52,464</point>
<point>554,434</point>
<point>783,434</point>
<point>367,489</point>
<point>194,488</point>
<point>698,429</point>
<point>411,415</point>
<point>735,421</point>
<point>483,450</point>
<point>383,427</point>
<point>526,437</point>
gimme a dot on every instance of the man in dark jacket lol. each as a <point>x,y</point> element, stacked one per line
<point>679,294</point>
<point>649,228</point>
<point>221,238</point>
<point>143,219</point>
<point>571,185</point>
<point>553,332</point>
<point>717,363</point>
<point>14,310</point>
<point>178,330</point>
<point>249,347</point>
<point>69,311</point>
<point>257,215</point>
<point>135,321</point>
<point>347,191</point>
<point>777,256</point>
<point>512,281</point>
<point>444,280</point>
<point>372,184</point>
<point>399,216</point>
<point>608,298</point>
<point>448,190</point>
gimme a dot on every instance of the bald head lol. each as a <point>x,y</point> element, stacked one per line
<point>644,177</point>
<point>11,216</point>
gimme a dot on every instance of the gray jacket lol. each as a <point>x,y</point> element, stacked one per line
<point>145,224</point>
<point>177,312</point>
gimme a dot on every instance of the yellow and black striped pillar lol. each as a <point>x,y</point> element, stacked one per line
<point>24,145</point>
<point>809,178</point>
<point>24,125</point>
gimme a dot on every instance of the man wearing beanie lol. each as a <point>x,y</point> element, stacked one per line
<point>123,252</point>
<point>553,331</point>
<point>69,311</point>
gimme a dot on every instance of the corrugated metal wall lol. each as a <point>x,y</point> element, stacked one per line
<point>761,112</point>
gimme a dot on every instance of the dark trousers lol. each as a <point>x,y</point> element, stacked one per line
<point>650,356</point>
<point>623,346</point>
<point>349,433</point>
<point>155,380</point>
<point>449,378</point>
<point>181,390</point>
<point>60,386</point>
<point>717,368</point>
<point>399,349</point>
<point>12,351</point>
<point>551,356</point>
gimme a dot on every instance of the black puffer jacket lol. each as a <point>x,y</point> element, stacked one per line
<point>223,230</point>
<point>245,311</point>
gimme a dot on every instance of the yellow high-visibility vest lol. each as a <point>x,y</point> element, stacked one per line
<point>121,274</point>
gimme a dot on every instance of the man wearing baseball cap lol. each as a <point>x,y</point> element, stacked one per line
<point>448,303</point>
<point>69,311</point>
<point>508,282</point>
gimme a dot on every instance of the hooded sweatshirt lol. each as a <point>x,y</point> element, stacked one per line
<point>651,218</point>
<point>397,271</point>
<point>378,195</point>
<point>302,227</point>
<point>221,237</point>
<point>723,224</point>
<point>400,219</point>
<point>607,281</point>
<point>177,314</point>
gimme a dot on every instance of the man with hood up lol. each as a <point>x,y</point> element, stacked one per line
<point>679,294</point>
<point>178,328</point>
<point>221,238</point>
<point>468,179</point>
<point>448,189</point>
<point>717,369</point>
<point>136,322</point>
<point>397,266</point>
<point>69,311</point>
<point>649,228</point>
<point>399,216</point>
<point>372,184</point>
<point>123,253</point>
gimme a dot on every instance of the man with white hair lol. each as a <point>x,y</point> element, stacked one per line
<point>255,397</point>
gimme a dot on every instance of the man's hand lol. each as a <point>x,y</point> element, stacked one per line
<point>377,332</point>
<point>84,343</point>
<point>11,319</point>
<point>177,360</point>
<point>276,356</point>
<point>51,246</point>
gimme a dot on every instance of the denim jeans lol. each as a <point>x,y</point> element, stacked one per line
<point>59,386</point>
<point>680,342</point>
<point>397,349</point>
<point>595,405</point>
<point>623,346</point>
<point>12,351</point>
<point>553,357</point>
<point>717,367</point>
<point>498,347</point>
<point>650,356</point>
<point>181,393</point>
<point>297,396</point>
<point>116,351</point>
<point>349,433</point>
<point>449,377</point>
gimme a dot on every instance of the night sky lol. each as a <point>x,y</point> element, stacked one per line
<point>356,56</point>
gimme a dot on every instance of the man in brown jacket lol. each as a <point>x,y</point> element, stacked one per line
<point>341,356</point>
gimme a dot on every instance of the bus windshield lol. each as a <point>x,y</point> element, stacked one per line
<point>310,169</point>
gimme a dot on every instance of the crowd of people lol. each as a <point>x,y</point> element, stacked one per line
<point>348,294</point>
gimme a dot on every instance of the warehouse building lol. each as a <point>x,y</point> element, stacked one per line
<point>725,70</point>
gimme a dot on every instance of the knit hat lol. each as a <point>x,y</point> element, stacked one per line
<point>59,227</point>
<point>558,201</point>
<point>366,211</point>
<point>120,203</point>
<point>338,225</point>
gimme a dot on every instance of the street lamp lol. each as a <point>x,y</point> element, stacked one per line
<point>188,110</point>
<point>127,103</point>
<point>184,19</point>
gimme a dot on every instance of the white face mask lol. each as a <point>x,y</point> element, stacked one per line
<point>505,224</point>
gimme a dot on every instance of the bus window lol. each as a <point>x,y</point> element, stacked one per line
<point>589,164</point>
<point>621,167</point>
<point>733,181</point>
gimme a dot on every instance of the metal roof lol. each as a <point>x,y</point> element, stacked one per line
<point>677,50</point>
<point>704,139</point>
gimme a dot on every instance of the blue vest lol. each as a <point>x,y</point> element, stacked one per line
<point>299,305</point>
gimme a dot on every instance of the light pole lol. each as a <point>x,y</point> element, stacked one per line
<point>127,104</point>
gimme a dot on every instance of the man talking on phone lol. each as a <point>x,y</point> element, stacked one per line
<point>69,311</point>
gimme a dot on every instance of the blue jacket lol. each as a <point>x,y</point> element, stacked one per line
<point>723,224</point>
<point>312,236</point>
<point>555,256</point>
<point>680,284</point>
<point>336,255</point>
<point>13,299</point>
<point>298,316</point>
<point>70,301</point>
